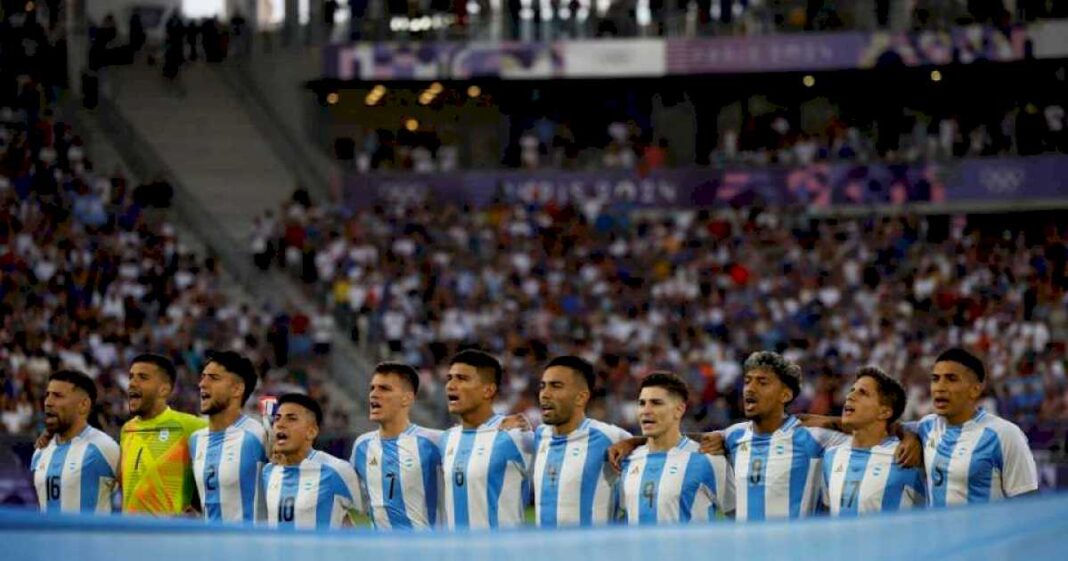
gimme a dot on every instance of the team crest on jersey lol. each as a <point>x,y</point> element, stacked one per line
<point>673,470</point>
<point>877,471</point>
<point>744,447</point>
<point>72,466</point>
<point>307,485</point>
<point>408,461</point>
<point>164,435</point>
<point>780,449</point>
<point>961,451</point>
<point>575,452</point>
<point>481,450</point>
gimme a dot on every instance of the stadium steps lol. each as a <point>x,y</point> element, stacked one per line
<point>223,175</point>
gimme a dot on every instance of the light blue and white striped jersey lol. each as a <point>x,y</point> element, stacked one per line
<point>78,476</point>
<point>572,479</point>
<point>777,475</point>
<point>987,458</point>
<point>400,477</point>
<point>866,480</point>
<point>227,466</point>
<point>317,493</point>
<point>486,475</point>
<point>679,485</point>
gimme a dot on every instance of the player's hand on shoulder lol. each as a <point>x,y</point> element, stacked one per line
<point>516,422</point>
<point>620,450</point>
<point>43,440</point>
<point>819,421</point>
<point>910,452</point>
<point>714,444</point>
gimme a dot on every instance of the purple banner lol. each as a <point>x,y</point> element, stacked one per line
<point>712,55</point>
<point>802,51</point>
<point>815,186</point>
<point>433,61</point>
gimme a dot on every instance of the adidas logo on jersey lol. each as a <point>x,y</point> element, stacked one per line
<point>374,461</point>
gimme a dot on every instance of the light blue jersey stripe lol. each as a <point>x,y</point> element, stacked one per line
<point>650,484</point>
<point>459,476</point>
<point>212,501</point>
<point>392,488</point>
<point>755,484</point>
<point>940,469</point>
<point>980,480</point>
<point>550,481</point>
<point>55,477</point>
<point>855,470</point>
<point>430,460</point>
<point>592,473</point>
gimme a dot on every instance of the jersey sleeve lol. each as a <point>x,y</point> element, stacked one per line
<point>915,489</point>
<point>524,444</point>
<point>33,460</point>
<point>351,483</point>
<point>1019,474</point>
<point>825,476</point>
<point>921,428</point>
<point>722,478</point>
<point>827,438</point>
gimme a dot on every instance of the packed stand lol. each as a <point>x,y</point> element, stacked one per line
<point>693,293</point>
<point>93,273</point>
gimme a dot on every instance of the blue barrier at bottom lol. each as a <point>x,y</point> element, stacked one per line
<point>1026,529</point>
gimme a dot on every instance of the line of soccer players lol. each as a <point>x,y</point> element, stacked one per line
<point>482,472</point>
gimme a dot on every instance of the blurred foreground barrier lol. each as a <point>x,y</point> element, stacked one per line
<point>1029,529</point>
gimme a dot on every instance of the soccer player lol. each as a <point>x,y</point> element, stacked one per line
<point>75,472</point>
<point>306,488</point>
<point>399,465</point>
<point>776,460</point>
<point>971,455</point>
<point>485,467</point>
<point>229,454</point>
<point>666,480</point>
<point>572,483</point>
<point>861,475</point>
<point>157,470</point>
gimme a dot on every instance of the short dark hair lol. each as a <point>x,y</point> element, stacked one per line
<point>238,365</point>
<point>80,380</point>
<point>481,360</point>
<point>159,361</point>
<point>965,359</point>
<point>578,364</point>
<point>669,381</point>
<point>305,402</point>
<point>891,392</point>
<point>787,372</point>
<point>405,371</point>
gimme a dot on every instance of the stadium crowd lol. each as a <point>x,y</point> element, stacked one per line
<point>692,293</point>
<point>93,271</point>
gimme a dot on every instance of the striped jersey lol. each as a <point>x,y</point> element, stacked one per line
<point>317,493</point>
<point>227,465</point>
<point>572,481</point>
<point>777,475</point>
<point>76,476</point>
<point>485,475</point>
<point>987,458</point>
<point>679,485</point>
<point>866,480</point>
<point>157,470</point>
<point>400,477</point>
